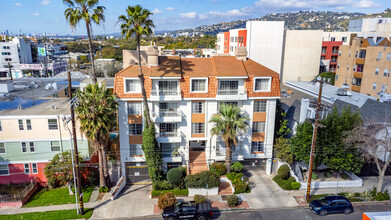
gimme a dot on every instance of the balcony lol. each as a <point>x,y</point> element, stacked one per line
<point>165,95</point>
<point>356,88</point>
<point>167,116</point>
<point>333,61</point>
<point>334,51</point>
<point>360,61</point>
<point>357,75</point>
<point>169,137</point>
<point>232,94</point>
<point>332,69</point>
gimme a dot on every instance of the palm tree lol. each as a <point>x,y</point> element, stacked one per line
<point>229,123</point>
<point>89,11</point>
<point>97,112</point>
<point>137,22</point>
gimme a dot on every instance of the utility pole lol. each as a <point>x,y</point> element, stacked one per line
<point>9,69</point>
<point>76,152</point>
<point>313,144</point>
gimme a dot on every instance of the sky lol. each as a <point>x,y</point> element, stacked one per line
<point>39,16</point>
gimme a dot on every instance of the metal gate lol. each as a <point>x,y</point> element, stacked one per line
<point>137,173</point>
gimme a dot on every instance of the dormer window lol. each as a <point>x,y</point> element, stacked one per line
<point>199,85</point>
<point>262,84</point>
<point>132,85</point>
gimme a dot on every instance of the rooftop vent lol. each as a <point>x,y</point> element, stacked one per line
<point>343,92</point>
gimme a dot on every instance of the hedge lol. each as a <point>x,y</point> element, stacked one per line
<point>176,176</point>
<point>205,179</point>
<point>177,192</point>
<point>218,168</point>
<point>162,185</point>
<point>284,184</point>
<point>284,171</point>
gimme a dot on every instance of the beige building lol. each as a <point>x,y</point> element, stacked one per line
<point>365,66</point>
<point>302,51</point>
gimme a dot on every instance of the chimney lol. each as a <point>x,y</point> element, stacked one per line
<point>153,55</point>
<point>241,53</point>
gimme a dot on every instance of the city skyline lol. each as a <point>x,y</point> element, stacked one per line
<point>40,16</point>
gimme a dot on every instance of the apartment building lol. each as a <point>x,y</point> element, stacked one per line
<point>183,94</point>
<point>29,138</point>
<point>365,66</point>
<point>329,56</point>
<point>14,52</point>
<point>381,26</point>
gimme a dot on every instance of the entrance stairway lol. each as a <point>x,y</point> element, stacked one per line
<point>197,161</point>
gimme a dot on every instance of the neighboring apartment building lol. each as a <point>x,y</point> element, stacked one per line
<point>365,66</point>
<point>329,56</point>
<point>29,138</point>
<point>14,52</point>
<point>183,94</point>
<point>381,26</point>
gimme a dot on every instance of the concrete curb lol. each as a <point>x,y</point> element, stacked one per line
<point>359,203</point>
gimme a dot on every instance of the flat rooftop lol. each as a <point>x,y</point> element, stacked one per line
<point>58,106</point>
<point>329,93</point>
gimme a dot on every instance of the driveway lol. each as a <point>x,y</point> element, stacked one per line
<point>134,201</point>
<point>267,194</point>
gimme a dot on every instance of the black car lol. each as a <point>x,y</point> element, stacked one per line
<point>331,204</point>
<point>188,210</point>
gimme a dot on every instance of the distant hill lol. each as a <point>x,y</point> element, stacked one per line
<point>302,20</point>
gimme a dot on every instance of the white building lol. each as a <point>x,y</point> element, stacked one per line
<point>14,52</point>
<point>381,26</point>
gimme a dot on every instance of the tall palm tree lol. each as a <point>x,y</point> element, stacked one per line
<point>96,110</point>
<point>229,123</point>
<point>136,22</point>
<point>89,11</point>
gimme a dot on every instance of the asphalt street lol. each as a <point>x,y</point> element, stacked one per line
<point>293,214</point>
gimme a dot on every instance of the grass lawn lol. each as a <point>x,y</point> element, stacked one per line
<point>57,196</point>
<point>60,214</point>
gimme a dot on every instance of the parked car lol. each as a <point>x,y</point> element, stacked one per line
<point>188,210</point>
<point>331,204</point>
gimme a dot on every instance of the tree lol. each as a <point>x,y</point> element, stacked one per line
<point>328,75</point>
<point>137,22</point>
<point>229,123</point>
<point>59,171</point>
<point>153,155</point>
<point>301,142</point>
<point>89,11</point>
<point>97,112</point>
<point>374,142</point>
<point>283,150</point>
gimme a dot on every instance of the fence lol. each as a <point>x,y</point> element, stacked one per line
<point>19,199</point>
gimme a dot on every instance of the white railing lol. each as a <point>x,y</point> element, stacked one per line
<point>168,113</point>
<point>165,92</point>
<point>169,134</point>
<point>231,92</point>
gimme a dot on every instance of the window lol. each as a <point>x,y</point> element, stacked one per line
<point>197,107</point>
<point>135,129</point>
<point>339,53</point>
<point>24,146</point>
<point>6,47</point>
<point>52,124</point>
<point>338,65</point>
<point>357,81</point>
<point>362,54</point>
<point>374,86</point>
<point>356,54</point>
<point>344,39</point>
<point>257,146</point>
<point>134,108</point>
<point>323,57</point>
<point>259,126</point>
<point>333,39</point>
<point>262,85</point>
<point>377,71</point>
<point>132,85</point>
<point>383,88</point>
<point>198,128</point>
<point>168,87</point>
<point>198,85</point>
<point>388,56</point>
<point>28,124</point>
<point>35,168</point>
<point>228,87</point>
<point>55,146</point>
<point>32,147</point>
<point>168,129</point>
<point>260,106</point>
<point>4,170</point>
<point>385,72</point>
<point>5,53</point>
<point>136,149</point>
<point>1,128</point>
<point>2,148</point>
<point>26,168</point>
<point>347,67</point>
<point>20,122</point>
<point>8,59</point>
<point>379,56</point>
<point>336,77</point>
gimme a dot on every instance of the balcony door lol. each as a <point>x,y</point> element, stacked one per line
<point>168,109</point>
<point>168,129</point>
<point>168,88</point>
<point>228,87</point>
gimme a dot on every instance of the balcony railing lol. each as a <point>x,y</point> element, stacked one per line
<point>334,51</point>
<point>332,70</point>
<point>323,51</point>
<point>231,92</point>
<point>169,113</point>
<point>169,134</point>
<point>165,92</point>
<point>333,60</point>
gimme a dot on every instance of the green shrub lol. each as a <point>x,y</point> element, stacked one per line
<point>314,176</point>
<point>177,192</point>
<point>327,175</point>
<point>205,179</point>
<point>166,200</point>
<point>233,176</point>
<point>295,185</point>
<point>162,185</point>
<point>218,168</point>
<point>233,200</point>
<point>283,171</point>
<point>292,179</point>
<point>175,176</point>
<point>382,196</point>
<point>199,198</point>
<point>237,167</point>
<point>284,184</point>
<point>240,186</point>
<point>103,189</point>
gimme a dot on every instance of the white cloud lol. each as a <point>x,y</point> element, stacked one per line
<point>190,15</point>
<point>366,4</point>
<point>157,11</point>
<point>170,9</point>
<point>45,2</point>
<point>18,4</point>
<point>35,14</point>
